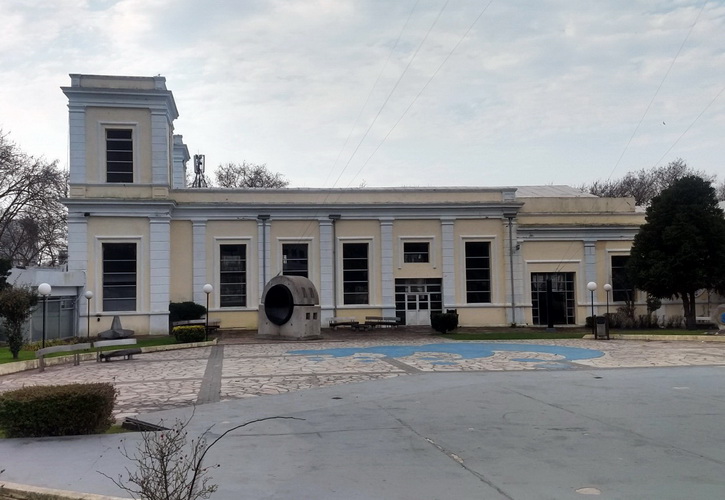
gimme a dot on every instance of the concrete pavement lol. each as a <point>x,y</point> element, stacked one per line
<point>514,424</point>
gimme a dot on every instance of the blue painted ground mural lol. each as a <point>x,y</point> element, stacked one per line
<point>468,350</point>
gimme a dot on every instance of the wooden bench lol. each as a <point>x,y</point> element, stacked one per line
<point>383,321</point>
<point>118,353</point>
<point>73,348</point>
<point>351,322</point>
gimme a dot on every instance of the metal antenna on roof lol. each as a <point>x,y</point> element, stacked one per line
<point>199,178</point>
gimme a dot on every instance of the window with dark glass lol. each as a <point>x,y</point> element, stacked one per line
<point>355,273</point>
<point>119,276</point>
<point>478,272</point>
<point>622,289</point>
<point>295,260</point>
<point>416,251</point>
<point>119,155</point>
<point>232,275</point>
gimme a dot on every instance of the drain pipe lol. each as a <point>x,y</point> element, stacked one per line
<point>510,218</point>
<point>334,218</point>
<point>264,218</point>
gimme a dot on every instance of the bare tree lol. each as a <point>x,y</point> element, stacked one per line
<point>248,175</point>
<point>170,467</point>
<point>644,184</point>
<point>32,218</point>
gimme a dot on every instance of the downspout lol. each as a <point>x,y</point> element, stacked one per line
<point>333,218</point>
<point>264,219</point>
<point>510,218</point>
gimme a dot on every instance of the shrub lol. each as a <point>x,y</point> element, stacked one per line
<point>34,346</point>
<point>193,333</point>
<point>444,322</point>
<point>185,311</point>
<point>16,306</point>
<point>675,321</point>
<point>57,410</point>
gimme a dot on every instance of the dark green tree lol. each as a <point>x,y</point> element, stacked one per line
<point>681,246</point>
<point>5,266</point>
<point>16,306</point>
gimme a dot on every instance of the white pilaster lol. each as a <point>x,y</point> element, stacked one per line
<point>160,148</point>
<point>447,255</point>
<point>160,275</point>
<point>386,266</point>
<point>77,144</point>
<point>327,270</point>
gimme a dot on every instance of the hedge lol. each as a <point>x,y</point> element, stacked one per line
<point>191,333</point>
<point>57,410</point>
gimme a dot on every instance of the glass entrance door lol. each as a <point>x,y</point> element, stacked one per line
<point>415,299</point>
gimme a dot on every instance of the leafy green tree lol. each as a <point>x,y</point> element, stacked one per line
<point>16,306</point>
<point>681,247</point>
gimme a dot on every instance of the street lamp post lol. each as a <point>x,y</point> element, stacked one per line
<point>592,286</point>
<point>44,290</point>
<point>607,288</point>
<point>207,290</point>
<point>88,295</point>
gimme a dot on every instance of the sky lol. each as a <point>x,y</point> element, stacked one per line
<point>351,93</point>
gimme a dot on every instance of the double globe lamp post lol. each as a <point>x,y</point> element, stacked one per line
<point>44,290</point>
<point>592,286</point>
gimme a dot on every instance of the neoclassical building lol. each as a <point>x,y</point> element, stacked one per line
<point>144,238</point>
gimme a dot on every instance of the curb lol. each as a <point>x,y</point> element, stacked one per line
<point>32,364</point>
<point>669,338</point>
<point>14,491</point>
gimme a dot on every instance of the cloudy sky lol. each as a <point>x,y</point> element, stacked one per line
<point>392,92</point>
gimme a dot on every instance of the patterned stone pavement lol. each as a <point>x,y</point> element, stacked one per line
<point>246,368</point>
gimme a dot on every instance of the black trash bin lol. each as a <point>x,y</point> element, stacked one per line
<point>602,330</point>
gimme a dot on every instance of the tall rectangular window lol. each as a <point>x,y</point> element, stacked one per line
<point>119,276</point>
<point>355,273</point>
<point>414,251</point>
<point>119,155</point>
<point>295,260</point>
<point>622,289</point>
<point>478,272</point>
<point>233,275</point>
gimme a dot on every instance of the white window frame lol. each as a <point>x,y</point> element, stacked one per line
<point>402,240</point>
<point>140,273</point>
<point>281,241</point>
<point>247,242</point>
<point>372,272</point>
<point>102,167</point>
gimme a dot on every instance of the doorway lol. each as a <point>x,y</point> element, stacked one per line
<point>552,298</point>
<point>416,298</point>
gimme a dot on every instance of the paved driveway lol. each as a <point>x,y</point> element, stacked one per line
<point>241,367</point>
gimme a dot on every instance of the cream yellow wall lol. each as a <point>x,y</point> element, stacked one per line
<point>417,230</point>
<point>282,231</point>
<point>477,316</point>
<point>139,119</point>
<point>362,231</point>
<point>491,230</point>
<point>231,232</point>
<point>181,262</point>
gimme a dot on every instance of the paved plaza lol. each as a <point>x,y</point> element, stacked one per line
<point>242,367</point>
<point>412,417</point>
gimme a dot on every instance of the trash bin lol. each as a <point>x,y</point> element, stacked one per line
<point>602,331</point>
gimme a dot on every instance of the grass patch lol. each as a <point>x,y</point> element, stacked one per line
<point>7,357</point>
<point>542,334</point>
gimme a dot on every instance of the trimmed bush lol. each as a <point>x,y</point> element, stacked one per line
<point>185,311</point>
<point>444,322</point>
<point>34,346</point>
<point>57,410</point>
<point>192,333</point>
